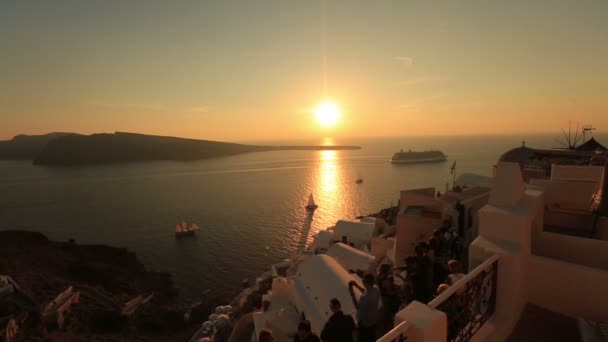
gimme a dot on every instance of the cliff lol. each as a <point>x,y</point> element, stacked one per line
<point>131,147</point>
<point>27,146</point>
<point>106,278</point>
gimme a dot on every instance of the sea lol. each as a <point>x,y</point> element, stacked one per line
<point>250,207</point>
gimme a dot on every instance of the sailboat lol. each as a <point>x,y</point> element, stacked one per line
<point>311,206</point>
<point>182,229</point>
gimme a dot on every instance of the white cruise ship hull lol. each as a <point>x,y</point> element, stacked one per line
<point>417,161</point>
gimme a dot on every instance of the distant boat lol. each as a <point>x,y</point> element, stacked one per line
<point>411,157</point>
<point>359,181</point>
<point>311,206</point>
<point>182,229</point>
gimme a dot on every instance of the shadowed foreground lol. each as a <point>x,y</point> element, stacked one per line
<point>105,277</point>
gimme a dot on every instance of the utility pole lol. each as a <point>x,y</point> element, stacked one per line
<point>453,172</point>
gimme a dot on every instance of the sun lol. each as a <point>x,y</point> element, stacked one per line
<point>327,113</point>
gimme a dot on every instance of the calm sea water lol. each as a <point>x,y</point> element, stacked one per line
<point>250,207</point>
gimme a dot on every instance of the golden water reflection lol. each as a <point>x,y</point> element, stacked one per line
<point>328,189</point>
<point>329,183</point>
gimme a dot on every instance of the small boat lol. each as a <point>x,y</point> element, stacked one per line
<point>311,206</point>
<point>182,229</point>
<point>359,181</point>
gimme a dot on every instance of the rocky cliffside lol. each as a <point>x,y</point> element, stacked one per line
<point>106,278</point>
<point>26,146</point>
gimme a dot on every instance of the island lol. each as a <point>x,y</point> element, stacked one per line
<point>26,147</point>
<point>68,149</point>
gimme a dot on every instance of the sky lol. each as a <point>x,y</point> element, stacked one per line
<point>254,70</point>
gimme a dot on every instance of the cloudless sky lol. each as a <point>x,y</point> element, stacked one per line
<point>253,69</point>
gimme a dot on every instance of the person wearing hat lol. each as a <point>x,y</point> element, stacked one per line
<point>305,333</point>
<point>339,327</point>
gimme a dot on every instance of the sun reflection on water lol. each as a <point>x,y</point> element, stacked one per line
<point>327,189</point>
<point>329,176</point>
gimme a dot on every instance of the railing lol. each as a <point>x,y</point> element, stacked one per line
<point>398,334</point>
<point>470,302</point>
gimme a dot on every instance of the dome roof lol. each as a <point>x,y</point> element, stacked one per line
<point>517,155</point>
<point>591,145</point>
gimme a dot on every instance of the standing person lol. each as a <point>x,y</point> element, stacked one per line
<point>440,246</point>
<point>438,259</point>
<point>367,308</point>
<point>455,272</point>
<point>390,297</point>
<point>339,327</point>
<point>422,275</point>
<point>440,274</point>
<point>406,292</point>
<point>305,334</point>
<point>458,249</point>
<point>265,336</point>
<point>454,242</point>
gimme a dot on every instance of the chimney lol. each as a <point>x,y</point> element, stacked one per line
<point>508,187</point>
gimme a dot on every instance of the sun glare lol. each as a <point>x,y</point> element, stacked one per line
<point>327,114</point>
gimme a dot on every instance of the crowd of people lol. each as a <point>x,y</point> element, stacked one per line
<point>435,267</point>
<point>437,262</point>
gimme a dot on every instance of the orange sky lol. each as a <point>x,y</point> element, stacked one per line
<point>254,71</point>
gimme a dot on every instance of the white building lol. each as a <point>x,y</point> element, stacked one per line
<point>523,271</point>
<point>538,263</point>
<point>307,293</point>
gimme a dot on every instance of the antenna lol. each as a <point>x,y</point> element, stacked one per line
<point>587,129</point>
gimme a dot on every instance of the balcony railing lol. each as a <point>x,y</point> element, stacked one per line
<point>470,302</point>
<point>398,334</point>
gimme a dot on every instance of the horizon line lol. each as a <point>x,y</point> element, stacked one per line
<point>240,140</point>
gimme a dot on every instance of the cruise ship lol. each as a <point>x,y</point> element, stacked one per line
<point>411,157</point>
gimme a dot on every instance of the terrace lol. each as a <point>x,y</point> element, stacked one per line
<point>515,288</point>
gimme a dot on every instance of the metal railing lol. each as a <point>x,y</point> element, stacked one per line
<point>398,334</point>
<point>470,302</point>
